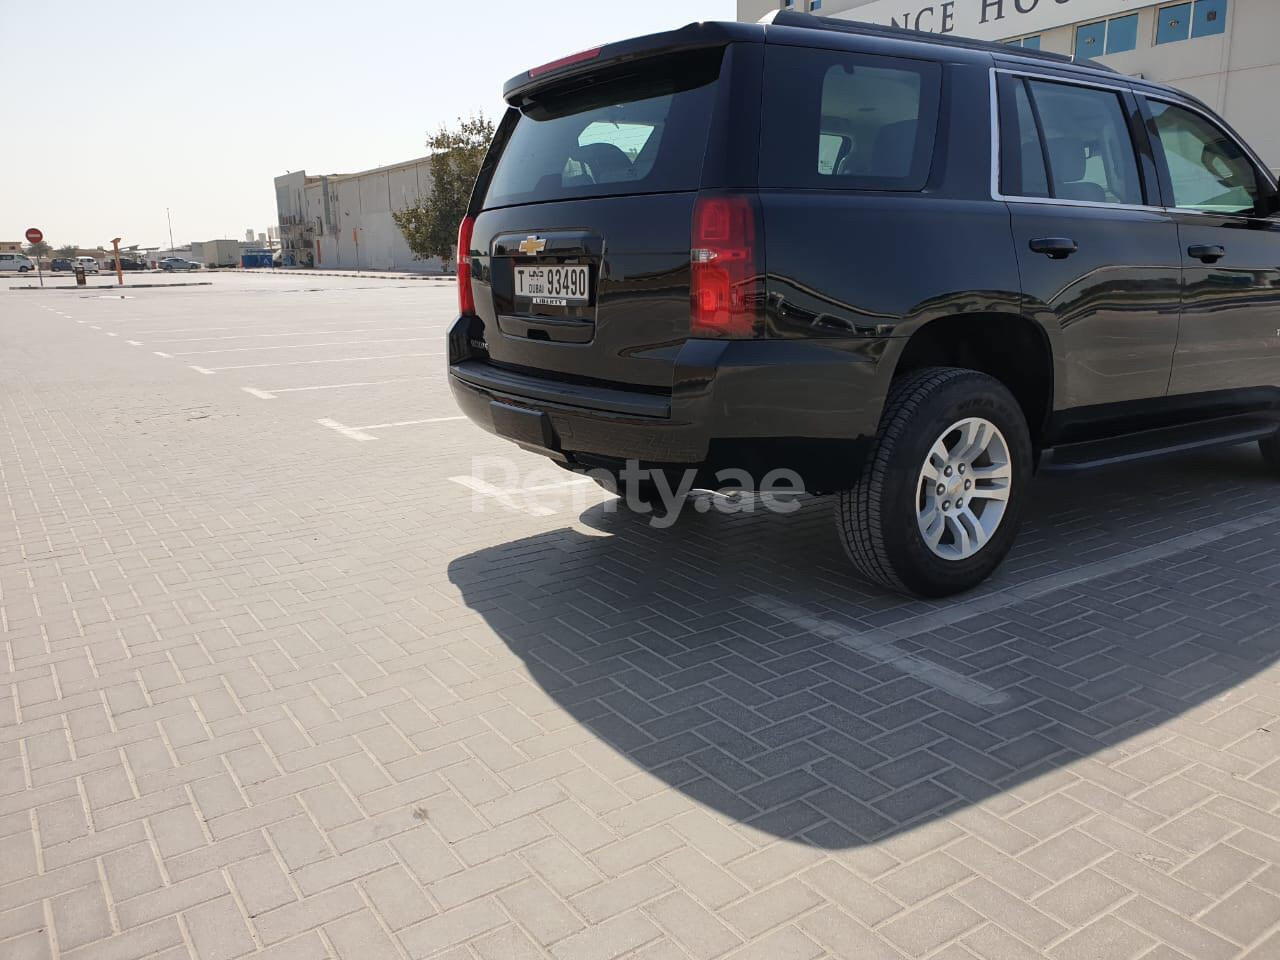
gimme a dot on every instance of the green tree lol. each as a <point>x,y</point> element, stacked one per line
<point>69,251</point>
<point>430,224</point>
<point>37,250</point>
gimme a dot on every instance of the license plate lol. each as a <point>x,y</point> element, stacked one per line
<point>553,286</point>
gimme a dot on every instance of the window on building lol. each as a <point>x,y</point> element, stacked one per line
<point>1030,43</point>
<point>1173,23</point>
<point>1122,34</point>
<point>815,5</point>
<point>1117,35</point>
<point>1091,40</point>
<point>1209,18</point>
<point>1201,18</point>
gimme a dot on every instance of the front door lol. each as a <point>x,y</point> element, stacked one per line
<point>1099,260</point>
<point>1221,200</point>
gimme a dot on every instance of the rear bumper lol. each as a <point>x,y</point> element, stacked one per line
<point>754,405</point>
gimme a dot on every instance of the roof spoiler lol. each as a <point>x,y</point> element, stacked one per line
<point>695,36</point>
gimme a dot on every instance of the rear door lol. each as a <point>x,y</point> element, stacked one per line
<point>1221,201</point>
<point>581,246</point>
<point>1098,257</point>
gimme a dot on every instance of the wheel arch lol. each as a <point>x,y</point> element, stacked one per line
<point>1014,349</point>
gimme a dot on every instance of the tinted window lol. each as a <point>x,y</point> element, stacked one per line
<point>1207,168</point>
<point>642,129</point>
<point>841,121</point>
<point>1084,145</point>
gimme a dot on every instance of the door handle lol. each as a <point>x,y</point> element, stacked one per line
<point>1055,248</point>
<point>1208,252</point>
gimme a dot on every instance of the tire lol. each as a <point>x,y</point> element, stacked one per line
<point>879,517</point>
<point>1271,452</point>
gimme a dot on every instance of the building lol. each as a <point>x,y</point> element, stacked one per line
<point>1221,51</point>
<point>343,220</point>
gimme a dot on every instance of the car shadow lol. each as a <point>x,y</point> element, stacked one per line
<point>735,656</point>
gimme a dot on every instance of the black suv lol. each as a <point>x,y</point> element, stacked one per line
<point>911,269</point>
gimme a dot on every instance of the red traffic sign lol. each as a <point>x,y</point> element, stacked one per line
<point>34,235</point>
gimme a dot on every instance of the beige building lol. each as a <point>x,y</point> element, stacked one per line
<point>344,220</point>
<point>1226,52</point>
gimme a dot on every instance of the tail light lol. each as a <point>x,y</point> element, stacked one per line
<point>724,270</point>
<point>466,299</point>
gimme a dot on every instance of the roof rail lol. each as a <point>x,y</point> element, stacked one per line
<point>795,18</point>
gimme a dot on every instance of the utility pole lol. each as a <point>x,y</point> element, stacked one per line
<point>170,219</point>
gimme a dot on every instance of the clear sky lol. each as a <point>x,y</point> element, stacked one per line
<point>115,111</point>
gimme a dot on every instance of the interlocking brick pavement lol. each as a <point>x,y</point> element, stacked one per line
<point>268,690</point>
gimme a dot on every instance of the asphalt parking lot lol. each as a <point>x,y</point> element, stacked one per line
<point>292,667</point>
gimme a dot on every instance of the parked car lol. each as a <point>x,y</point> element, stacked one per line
<point>177,263</point>
<point>129,263</point>
<point>61,264</point>
<point>89,263</point>
<point>16,263</point>
<point>911,268</point>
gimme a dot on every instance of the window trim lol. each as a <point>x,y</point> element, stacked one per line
<point>1259,168</point>
<point>996,153</point>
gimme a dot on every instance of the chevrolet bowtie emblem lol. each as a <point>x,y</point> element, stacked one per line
<point>531,245</point>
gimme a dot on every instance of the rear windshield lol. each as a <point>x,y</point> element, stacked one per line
<point>639,130</point>
<point>845,121</point>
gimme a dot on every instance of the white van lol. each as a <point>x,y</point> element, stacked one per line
<point>90,265</point>
<point>16,263</point>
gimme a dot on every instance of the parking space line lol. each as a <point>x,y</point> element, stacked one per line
<point>408,423</point>
<point>360,433</point>
<point>161,353</point>
<point>957,611</point>
<point>271,393</point>
<point>297,333</point>
<point>885,651</point>
<point>300,346</point>
<point>205,370</point>
<point>299,363</point>
<point>134,343</point>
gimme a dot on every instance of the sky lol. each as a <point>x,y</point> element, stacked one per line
<point>115,112</point>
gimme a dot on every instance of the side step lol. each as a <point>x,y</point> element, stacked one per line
<point>1166,441</point>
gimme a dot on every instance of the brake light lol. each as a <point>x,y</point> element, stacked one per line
<point>724,300</point>
<point>466,299</point>
<point>573,58</point>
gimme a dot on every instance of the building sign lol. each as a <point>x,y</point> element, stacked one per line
<point>988,19</point>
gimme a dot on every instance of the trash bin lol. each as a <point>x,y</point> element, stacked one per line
<point>79,275</point>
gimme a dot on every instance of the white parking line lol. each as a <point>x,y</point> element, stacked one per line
<point>161,353</point>
<point>359,433</point>
<point>134,343</point>
<point>945,679</point>
<point>271,394</point>
<point>205,370</point>
<point>300,346</point>
<point>110,334</point>
<point>299,363</point>
<point>295,333</point>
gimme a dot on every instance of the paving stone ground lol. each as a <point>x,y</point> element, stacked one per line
<point>271,686</point>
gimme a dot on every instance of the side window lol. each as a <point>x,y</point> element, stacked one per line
<point>1207,168</point>
<point>835,120</point>
<point>1082,137</point>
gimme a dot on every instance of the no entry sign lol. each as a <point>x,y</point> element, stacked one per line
<point>34,235</point>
